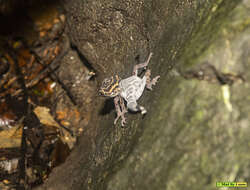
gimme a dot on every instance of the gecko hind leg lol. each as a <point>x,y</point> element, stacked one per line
<point>141,65</point>
<point>120,110</point>
<point>150,82</point>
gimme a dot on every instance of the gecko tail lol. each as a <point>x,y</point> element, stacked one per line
<point>134,107</point>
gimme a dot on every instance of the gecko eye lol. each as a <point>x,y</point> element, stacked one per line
<point>101,92</point>
<point>107,82</point>
<point>104,83</point>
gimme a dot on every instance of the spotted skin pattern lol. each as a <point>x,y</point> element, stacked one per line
<point>129,89</point>
<point>110,86</point>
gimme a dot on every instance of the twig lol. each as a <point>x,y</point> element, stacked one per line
<point>26,112</point>
<point>56,60</point>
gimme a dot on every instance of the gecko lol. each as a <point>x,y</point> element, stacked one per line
<point>129,89</point>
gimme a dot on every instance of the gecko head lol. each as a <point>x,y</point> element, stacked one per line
<point>110,86</point>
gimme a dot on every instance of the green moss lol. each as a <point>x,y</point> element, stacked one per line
<point>199,115</point>
<point>211,21</point>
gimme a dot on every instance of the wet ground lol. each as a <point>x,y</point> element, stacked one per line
<point>40,116</point>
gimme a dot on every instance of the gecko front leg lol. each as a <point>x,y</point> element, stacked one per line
<point>123,107</point>
<point>120,109</point>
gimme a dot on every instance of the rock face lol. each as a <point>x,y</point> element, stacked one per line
<point>197,130</point>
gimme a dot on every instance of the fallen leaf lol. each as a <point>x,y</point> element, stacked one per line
<point>11,138</point>
<point>65,123</point>
<point>45,117</point>
<point>5,181</point>
<point>9,165</point>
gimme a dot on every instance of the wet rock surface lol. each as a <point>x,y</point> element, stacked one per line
<point>198,134</point>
